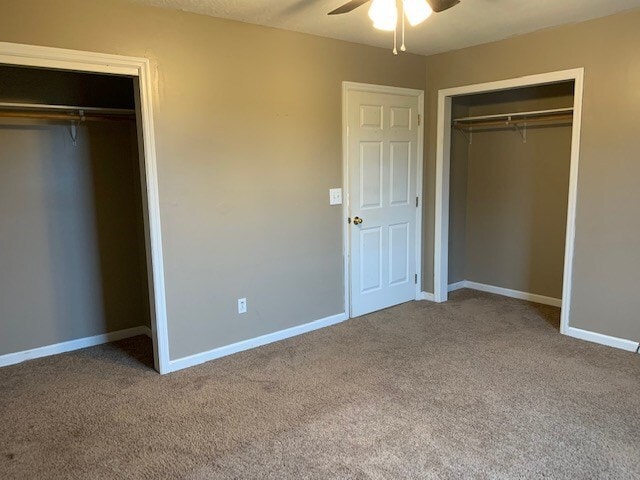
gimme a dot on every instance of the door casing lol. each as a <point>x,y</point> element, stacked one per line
<point>443,154</point>
<point>346,232</point>
<point>134,67</point>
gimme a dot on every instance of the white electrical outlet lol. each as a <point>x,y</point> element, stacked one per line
<point>335,196</point>
<point>242,305</point>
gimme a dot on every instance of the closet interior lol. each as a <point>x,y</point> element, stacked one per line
<point>73,261</point>
<point>509,186</point>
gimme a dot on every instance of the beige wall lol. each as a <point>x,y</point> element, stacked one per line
<point>607,257</point>
<point>248,132</point>
<point>71,237</point>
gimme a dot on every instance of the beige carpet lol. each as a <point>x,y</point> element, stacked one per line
<point>480,387</point>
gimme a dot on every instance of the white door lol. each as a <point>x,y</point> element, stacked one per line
<point>382,155</point>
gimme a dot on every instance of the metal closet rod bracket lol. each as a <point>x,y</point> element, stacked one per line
<point>521,131</point>
<point>74,128</point>
<point>468,137</point>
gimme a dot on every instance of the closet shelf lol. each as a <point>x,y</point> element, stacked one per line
<point>515,119</point>
<point>64,112</point>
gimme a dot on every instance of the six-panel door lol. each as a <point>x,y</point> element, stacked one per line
<point>382,159</point>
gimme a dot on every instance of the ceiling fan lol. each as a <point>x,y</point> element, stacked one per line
<point>384,13</point>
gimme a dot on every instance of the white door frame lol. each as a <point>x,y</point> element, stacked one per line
<point>443,154</point>
<point>63,59</point>
<point>346,235</point>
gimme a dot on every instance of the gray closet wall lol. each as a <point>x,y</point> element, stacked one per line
<point>72,253</point>
<point>508,198</point>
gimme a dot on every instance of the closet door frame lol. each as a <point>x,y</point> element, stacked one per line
<point>443,160</point>
<point>92,62</point>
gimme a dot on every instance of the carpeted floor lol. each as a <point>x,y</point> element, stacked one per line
<point>479,387</point>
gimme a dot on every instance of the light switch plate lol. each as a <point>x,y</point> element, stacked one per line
<point>335,196</point>
<point>242,305</point>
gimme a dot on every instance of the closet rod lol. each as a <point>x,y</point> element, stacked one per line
<point>64,112</point>
<point>66,116</point>
<point>533,113</point>
<point>514,122</point>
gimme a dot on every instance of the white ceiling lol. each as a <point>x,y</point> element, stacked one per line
<point>472,22</point>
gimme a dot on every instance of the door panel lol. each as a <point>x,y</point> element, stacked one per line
<point>399,253</point>
<point>400,118</point>
<point>370,259</point>
<point>400,182</point>
<point>371,116</point>
<point>370,175</point>
<point>382,169</point>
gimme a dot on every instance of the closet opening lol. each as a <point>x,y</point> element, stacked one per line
<point>507,165</point>
<point>74,256</point>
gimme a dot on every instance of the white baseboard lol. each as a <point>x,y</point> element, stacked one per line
<point>457,286</point>
<point>593,337</point>
<point>198,358</point>
<point>602,339</point>
<point>18,357</point>
<point>507,292</point>
<point>426,296</point>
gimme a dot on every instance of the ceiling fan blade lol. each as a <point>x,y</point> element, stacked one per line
<point>442,5</point>
<point>348,7</point>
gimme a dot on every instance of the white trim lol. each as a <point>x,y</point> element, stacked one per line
<point>420,193</point>
<point>426,296</point>
<point>529,80</point>
<point>443,146</point>
<point>602,339</point>
<point>372,88</point>
<point>198,358</point>
<point>572,201</point>
<point>63,59</point>
<point>441,226</point>
<point>19,357</point>
<point>506,292</point>
<point>410,92</point>
<point>346,202</point>
<point>457,286</point>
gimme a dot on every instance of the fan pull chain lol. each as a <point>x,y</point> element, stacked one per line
<point>395,40</point>
<point>403,47</point>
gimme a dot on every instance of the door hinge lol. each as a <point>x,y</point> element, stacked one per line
<point>415,279</point>
<point>417,201</point>
<point>419,119</point>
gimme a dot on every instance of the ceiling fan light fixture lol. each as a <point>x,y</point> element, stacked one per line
<point>417,11</point>
<point>384,14</point>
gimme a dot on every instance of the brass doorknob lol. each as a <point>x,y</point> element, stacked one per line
<point>357,220</point>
